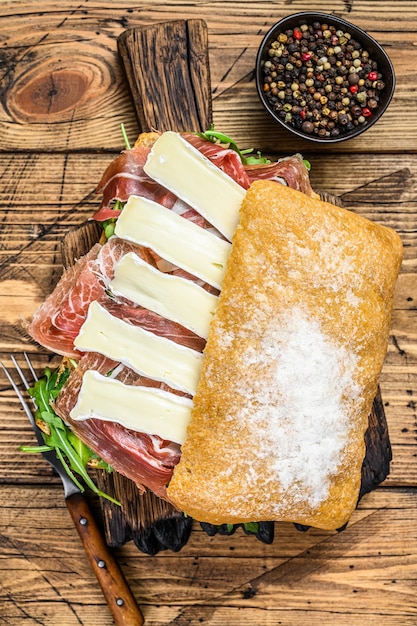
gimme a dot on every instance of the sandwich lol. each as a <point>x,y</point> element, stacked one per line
<point>228,335</point>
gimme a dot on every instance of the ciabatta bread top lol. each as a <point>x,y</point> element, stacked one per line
<point>291,365</point>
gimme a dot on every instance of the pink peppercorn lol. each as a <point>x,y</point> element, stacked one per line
<point>373,75</point>
<point>366,112</point>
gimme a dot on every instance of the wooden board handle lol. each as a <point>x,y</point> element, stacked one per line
<point>167,69</point>
<point>115,589</point>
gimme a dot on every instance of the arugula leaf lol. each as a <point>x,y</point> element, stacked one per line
<point>252,527</point>
<point>110,224</point>
<point>74,455</point>
<point>125,137</point>
<point>216,137</point>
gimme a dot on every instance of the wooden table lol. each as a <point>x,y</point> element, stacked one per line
<point>63,97</point>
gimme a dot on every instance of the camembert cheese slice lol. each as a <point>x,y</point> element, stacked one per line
<point>178,299</point>
<point>144,409</point>
<point>174,163</point>
<point>148,354</point>
<point>174,238</point>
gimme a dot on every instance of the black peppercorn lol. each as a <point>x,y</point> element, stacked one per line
<point>353,78</point>
<point>307,127</point>
<point>356,111</point>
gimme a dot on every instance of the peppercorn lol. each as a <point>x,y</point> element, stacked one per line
<point>353,78</point>
<point>307,127</point>
<point>356,111</point>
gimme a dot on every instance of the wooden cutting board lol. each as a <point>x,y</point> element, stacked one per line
<point>167,69</point>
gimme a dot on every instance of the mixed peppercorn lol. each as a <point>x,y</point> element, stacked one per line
<point>320,80</point>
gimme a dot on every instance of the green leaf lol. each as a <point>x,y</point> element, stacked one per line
<point>37,449</point>
<point>252,527</point>
<point>125,138</point>
<point>80,447</point>
<point>52,419</point>
<point>109,225</point>
<point>216,137</point>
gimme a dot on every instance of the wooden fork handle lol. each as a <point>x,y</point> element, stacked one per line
<point>115,589</point>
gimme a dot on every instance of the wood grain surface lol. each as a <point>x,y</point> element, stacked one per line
<point>63,97</point>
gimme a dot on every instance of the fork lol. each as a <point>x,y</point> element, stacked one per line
<point>114,586</point>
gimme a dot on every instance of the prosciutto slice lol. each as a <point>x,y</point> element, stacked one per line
<point>58,320</point>
<point>226,159</point>
<point>289,170</point>
<point>148,460</point>
<point>125,177</point>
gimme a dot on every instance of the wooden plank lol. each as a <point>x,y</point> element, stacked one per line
<point>63,98</point>
<point>65,85</point>
<point>366,571</point>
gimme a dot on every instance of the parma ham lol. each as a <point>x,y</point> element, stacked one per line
<point>58,320</point>
<point>125,177</point>
<point>148,460</point>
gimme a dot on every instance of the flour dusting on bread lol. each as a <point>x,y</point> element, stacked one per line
<point>309,427</point>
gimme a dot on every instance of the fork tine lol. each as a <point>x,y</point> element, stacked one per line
<point>30,366</point>
<point>17,390</point>
<point>20,372</point>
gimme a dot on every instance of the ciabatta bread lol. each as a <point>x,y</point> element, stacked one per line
<point>291,365</point>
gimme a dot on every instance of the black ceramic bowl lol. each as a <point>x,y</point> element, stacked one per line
<point>321,122</point>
